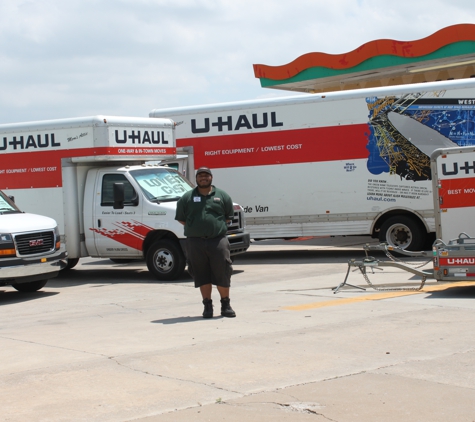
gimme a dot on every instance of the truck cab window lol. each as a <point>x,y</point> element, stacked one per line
<point>107,197</point>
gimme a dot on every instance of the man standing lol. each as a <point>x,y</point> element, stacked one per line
<point>205,212</point>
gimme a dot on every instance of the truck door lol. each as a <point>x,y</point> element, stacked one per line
<point>117,232</point>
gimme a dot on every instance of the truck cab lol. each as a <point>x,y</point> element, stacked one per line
<point>129,214</point>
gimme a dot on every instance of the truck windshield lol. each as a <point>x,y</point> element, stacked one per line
<point>161,184</point>
<point>7,205</point>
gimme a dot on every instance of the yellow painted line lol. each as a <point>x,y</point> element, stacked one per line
<point>377,296</point>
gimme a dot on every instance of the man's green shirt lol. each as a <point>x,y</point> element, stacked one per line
<point>205,215</point>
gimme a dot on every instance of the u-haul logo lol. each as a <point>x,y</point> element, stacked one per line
<point>141,137</point>
<point>466,168</point>
<point>24,142</point>
<point>460,261</point>
<point>243,121</point>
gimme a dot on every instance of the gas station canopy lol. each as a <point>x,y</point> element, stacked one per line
<point>447,54</point>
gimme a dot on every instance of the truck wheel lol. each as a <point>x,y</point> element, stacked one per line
<point>31,286</point>
<point>72,262</point>
<point>402,232</point>
<point>165,260</point>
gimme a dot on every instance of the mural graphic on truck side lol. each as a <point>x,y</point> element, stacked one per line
<point>405,131</point>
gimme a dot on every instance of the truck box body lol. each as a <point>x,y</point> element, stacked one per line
<point>340,163</point>
<point>69,170</point>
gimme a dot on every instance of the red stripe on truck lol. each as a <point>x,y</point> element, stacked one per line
<point>42,169</point>
<point>457,193</point>
<point>280,147</point>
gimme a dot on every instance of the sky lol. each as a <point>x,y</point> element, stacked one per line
<point>77,58</point>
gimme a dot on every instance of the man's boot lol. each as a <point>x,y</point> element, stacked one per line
<point>208,311</point>
<point>226,309</point>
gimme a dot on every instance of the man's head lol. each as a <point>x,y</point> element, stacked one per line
<point>204,177</point>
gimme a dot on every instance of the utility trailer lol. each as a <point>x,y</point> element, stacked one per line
<point>453,252</point>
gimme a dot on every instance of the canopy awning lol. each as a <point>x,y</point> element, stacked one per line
<point>444,55</point>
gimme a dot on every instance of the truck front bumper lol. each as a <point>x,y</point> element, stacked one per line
<point>23,270</point>
<point>239,242</point>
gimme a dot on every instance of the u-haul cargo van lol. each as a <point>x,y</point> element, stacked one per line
<point>338,163</point>
<point>89,175</point>
<point>30,248</point>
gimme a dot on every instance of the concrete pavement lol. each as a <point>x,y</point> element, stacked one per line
<point>107,343</point>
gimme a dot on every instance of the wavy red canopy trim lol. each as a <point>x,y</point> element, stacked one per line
<point>418,48</point>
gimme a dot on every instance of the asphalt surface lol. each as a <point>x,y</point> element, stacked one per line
<point>105,342</point>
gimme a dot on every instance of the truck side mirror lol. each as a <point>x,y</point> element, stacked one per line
<point>119,196</point>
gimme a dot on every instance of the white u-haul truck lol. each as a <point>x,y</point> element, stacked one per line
<point>338,163</point>
<point>89,175</point>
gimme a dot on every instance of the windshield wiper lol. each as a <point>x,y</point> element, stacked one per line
<point>170,198</point>
<point>8,210</point>
<point>165,198</point>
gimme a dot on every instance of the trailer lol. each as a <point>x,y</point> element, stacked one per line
<point>453,252</point>
<point>454,203</point>
<point>90,175</point>
<point>339,163</point>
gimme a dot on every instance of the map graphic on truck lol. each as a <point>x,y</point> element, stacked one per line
<point>405,131</point>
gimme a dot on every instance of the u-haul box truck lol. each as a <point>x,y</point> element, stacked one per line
<point>88,174</point>
<point>338,163</point>
<point>30,248</point>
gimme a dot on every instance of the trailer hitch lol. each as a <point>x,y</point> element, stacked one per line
<point>373,263</point>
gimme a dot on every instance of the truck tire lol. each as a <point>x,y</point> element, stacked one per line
<point>402,232</point>
<point>31,286</point>
<point>165,260</point>
<point>72,262</point>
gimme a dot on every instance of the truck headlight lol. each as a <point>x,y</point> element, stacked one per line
<point>57,237</point>
<point>7,247</point>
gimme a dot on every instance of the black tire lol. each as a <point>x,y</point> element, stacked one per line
<point>165,260</point>
<point>31,286</point>
<point>72,262</point>
<point>403,232</point>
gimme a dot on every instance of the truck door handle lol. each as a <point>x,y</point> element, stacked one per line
<point>99,223</point>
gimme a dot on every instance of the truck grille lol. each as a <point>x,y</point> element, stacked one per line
<point>34,243</point>
<point>237,224</point>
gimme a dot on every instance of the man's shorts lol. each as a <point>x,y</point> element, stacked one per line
<point>209,261</point>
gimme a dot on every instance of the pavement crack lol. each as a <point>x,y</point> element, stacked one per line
<point>52,346</point>
<point>309,408</point>
<point>114,359</point>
